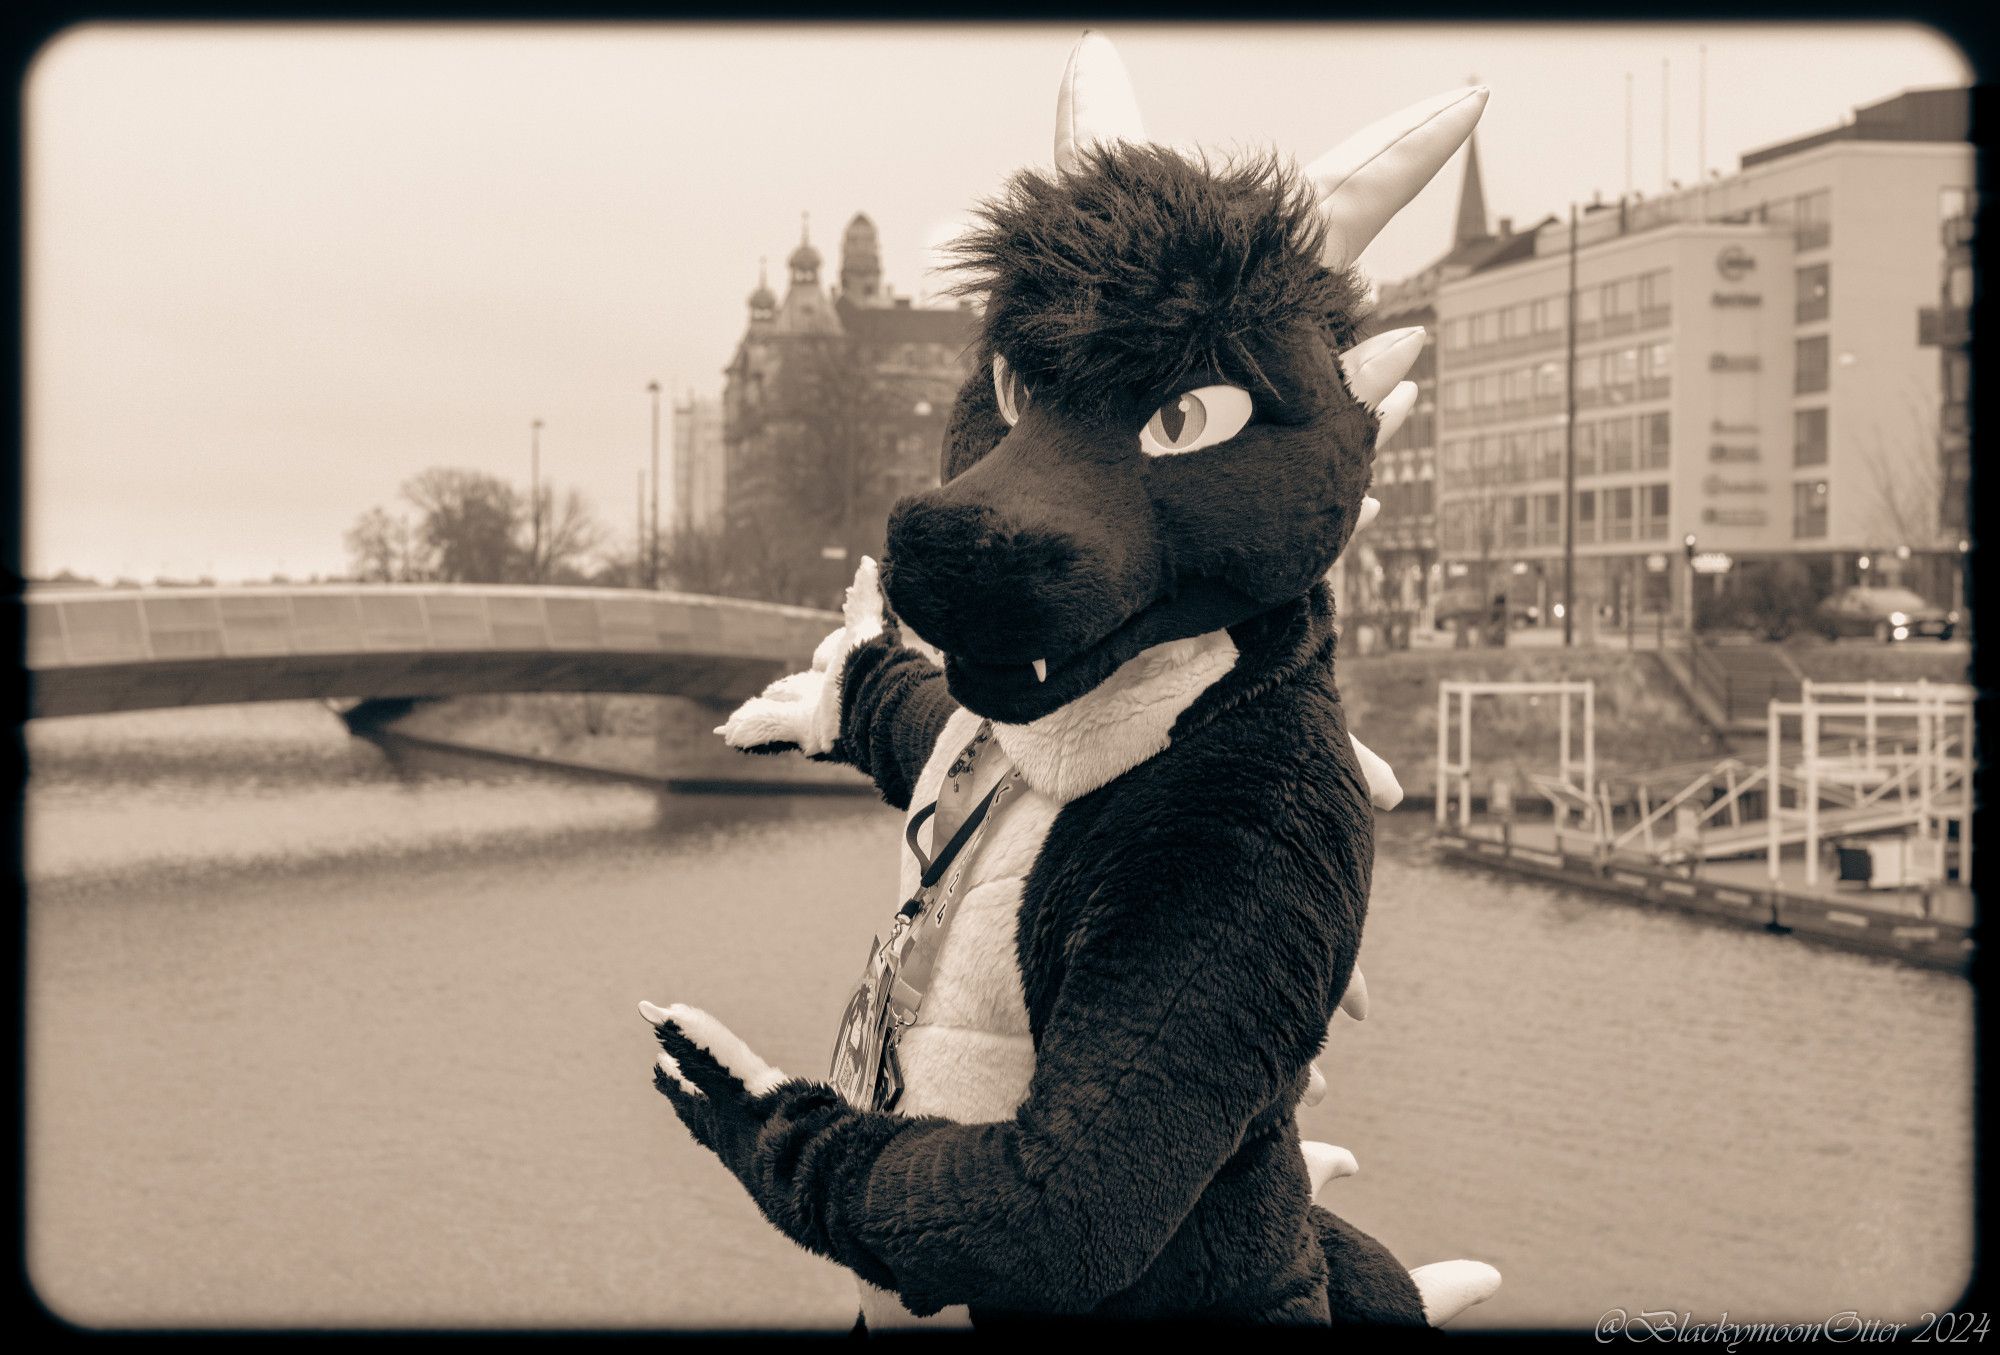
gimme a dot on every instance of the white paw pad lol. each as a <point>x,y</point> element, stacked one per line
<point>721,1043</point>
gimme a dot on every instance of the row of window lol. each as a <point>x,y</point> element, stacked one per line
<point>1620,513</point>
<point>1641,301</point>
<point>1634,372</point>
<point>1603,447</point>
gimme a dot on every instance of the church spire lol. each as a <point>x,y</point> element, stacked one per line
<point>1471,224</point>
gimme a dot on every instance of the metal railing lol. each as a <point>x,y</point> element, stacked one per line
<point>146,626</point>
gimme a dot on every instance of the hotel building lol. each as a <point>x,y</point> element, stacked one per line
<point>1750,371</point>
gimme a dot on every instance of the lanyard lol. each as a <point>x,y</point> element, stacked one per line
<point>865,1065</point>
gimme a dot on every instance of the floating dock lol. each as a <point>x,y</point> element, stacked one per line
<point>1735,892</point>
<point>1879,779</point>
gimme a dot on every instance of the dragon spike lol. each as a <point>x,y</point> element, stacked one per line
<point>1373,174</point>
<point>1095,102</point>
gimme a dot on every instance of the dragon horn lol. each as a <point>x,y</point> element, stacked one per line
<point>1095,102</point>
<point>1369,177</point>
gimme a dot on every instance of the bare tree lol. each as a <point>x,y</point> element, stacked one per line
<point>1904,479</point>
<point>469,522</point>
<point>383,547</point>
<point>570,535</point>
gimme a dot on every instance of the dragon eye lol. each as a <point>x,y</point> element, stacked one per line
<point>1010,391</point>
<point>1196,419</point>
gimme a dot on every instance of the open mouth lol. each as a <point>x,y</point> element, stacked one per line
<point>1017,692</point>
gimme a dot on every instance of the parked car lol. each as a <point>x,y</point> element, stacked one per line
<point>1888,614</point>
<point>1471,608</point>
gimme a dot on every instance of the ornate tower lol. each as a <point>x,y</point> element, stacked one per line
<point>861,262</point>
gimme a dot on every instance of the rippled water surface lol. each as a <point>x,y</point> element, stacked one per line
<point>318,1038</point>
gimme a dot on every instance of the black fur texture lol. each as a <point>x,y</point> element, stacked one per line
<point>1180,953</point>
<point>1112,290</point>
<point>1109,287</point>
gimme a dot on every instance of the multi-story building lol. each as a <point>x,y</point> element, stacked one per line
<point>1748,373</point>
<point>860,375</point>
<point>1393,566</point>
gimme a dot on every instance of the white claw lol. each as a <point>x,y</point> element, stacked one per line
<point>1041,667</point>
<point>1373,375</point>
<point>1315,1091</point>
<point>1384,790</point>
<point>1325,1163</point>
<point>1448,1288</point>
<point>1355,1000</point>
<point>1370,508</point>
<point>1395,408</point>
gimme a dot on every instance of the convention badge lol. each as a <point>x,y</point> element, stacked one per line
<point>857,1053</point>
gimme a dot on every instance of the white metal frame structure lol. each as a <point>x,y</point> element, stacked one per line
<point>1454,775</point>
<point>1911,763</point>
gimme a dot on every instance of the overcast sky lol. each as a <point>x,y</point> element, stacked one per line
<point>273,272</point>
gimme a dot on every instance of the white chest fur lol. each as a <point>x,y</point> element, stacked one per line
<point>969,1056</point>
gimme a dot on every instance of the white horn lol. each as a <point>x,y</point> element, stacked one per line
<point>1095,102</point>
<point>1369,177</point>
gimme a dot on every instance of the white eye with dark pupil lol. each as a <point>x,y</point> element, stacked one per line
<point>1195,419</point>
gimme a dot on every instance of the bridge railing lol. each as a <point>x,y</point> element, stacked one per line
<point>139,626</point>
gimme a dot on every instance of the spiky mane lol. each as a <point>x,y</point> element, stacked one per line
<point>1109,285</point>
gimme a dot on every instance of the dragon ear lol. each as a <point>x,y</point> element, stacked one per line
<point>1095,102</point>
<point>1372,175</point>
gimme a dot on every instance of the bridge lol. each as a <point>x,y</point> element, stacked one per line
<point>90,652</point>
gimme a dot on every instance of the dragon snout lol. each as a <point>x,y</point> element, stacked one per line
<point>999,586</point>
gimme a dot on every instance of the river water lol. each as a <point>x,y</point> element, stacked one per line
<point>321,1037</point>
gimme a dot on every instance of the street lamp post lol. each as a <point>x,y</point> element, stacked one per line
<point>535,500</point>
<point>1687,545</point>
<point>653,553</point>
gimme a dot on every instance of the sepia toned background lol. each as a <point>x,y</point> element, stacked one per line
<point>356,355</point>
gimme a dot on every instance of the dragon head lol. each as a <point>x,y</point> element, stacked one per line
<point>1163,436</point>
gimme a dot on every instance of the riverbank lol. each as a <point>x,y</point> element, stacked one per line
<point>1391,702</point>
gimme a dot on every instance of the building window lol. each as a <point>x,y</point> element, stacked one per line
<point>1586,449</point>
<point>1809,365</point>
<point>1616,442</point>
<point>1586,516</point>
<point>1808,509</point>
<point>1654,441</point>
<point>1621,374</point>
<point>1812,220</point>
<point>1517,520</point>
<point>1454,334</point>
<point>1655,307</point>
<point>1656,361</point>
<point>1618,297</point>
<point>1618,520</point>
<point>1482,329</point>
<point>1653,501</point>
<point>1813,293</point>
<point>1548,380</point>
<point>1548,525</point>
<point>1453,395</point>
<point>1549,456</point>
<point>1549,315</point>
<point>1809,437</point>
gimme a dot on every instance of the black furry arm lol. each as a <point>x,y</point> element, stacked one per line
<point>1194,995</point>
<point>893,704</point>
